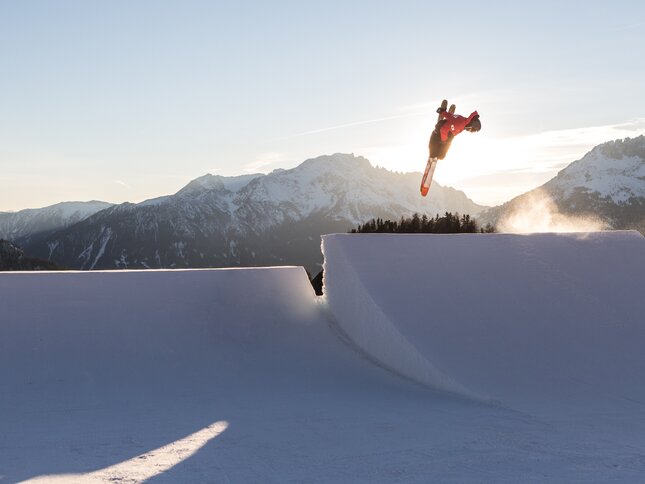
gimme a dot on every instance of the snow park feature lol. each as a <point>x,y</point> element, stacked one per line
<point>431,358</point>
<point>527,320</point>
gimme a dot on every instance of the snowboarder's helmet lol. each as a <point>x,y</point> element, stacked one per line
<point>474,125</point>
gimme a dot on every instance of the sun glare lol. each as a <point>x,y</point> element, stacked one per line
<point>492,170</point>
<point>144,466</point>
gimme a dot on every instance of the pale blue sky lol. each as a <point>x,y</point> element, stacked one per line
<point>127,100</point>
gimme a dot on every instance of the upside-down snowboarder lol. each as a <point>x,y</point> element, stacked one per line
<point>448,126</point>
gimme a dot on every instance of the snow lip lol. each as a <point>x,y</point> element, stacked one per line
<point>361,320</point>
<point>598,233</point>
<point>130,271</point>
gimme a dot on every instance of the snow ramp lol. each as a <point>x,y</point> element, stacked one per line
<point>239,375</point>
<point>523,319</point>
<point>127,375</point>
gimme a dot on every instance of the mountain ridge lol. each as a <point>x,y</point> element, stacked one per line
<point>34,221</point>
<point>271,219</point>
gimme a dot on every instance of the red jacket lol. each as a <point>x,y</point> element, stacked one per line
<point>454,124</point>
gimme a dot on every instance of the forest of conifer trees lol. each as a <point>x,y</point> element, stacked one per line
<point>449,223</point>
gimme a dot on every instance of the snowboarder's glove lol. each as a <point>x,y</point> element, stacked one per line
<point>441,110</point>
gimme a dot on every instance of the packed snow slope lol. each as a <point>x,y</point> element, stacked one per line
<point>203,376</point>
<point>244,375</point>
<point>531,321</point>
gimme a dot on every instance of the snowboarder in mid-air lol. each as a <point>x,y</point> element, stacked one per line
<point>448,126</point>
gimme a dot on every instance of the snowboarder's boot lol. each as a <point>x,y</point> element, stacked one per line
<point>452,109</point>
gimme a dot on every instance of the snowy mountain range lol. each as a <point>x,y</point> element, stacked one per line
<point>276,219</point>
<point>606,186</point>
<point>250,220</point>
<point>33,221</point>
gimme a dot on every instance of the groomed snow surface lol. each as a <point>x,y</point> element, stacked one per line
<point>432,358</point>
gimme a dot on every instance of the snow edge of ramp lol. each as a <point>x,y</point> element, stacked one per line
<point>361,320</point>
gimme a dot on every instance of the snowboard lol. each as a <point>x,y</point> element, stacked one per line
<point>432,162</point>
<point>427,176</point>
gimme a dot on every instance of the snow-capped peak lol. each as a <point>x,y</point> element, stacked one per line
<point>206,182</point>
<point>217,182</point>
<point>613,170</point>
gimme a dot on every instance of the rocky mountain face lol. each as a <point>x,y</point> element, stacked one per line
<point>41,221</point>
<point>13,258</point>
<point>252,220</point>
<point>606,187</point>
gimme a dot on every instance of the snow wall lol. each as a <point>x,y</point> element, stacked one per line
<point>127,327</point>
<point>516,318</point>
